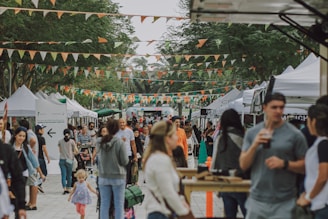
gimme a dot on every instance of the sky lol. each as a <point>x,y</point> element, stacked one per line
<point>147,30</point>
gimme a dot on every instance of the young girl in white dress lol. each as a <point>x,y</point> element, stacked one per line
<point>80,194</point>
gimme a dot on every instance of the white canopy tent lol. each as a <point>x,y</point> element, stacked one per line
<point>300,86</point>
<point>20,104</point>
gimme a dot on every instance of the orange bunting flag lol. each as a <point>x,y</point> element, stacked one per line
<point>220,72</point>
<point>171,82</point>
<point>158,57</point>
<point>97,56</point>
<point>159,74</point>
<point>53,2</point>
<point>223,63</point>
<point>65,71</point>
<point>201,43</point>
<point>102,40</point>
<point>31,66</point>
<point>189,73</point>
<point>17,10</point>
<point>59,14</point>
<point>202,92</point>
<point>100,15</point>
<point>143,18</point>
<point>187,57</point>
<point>149,81</point>
<point>216,57</point>
<point>226,88</point>
<point>64,56</point>
<point>143,73</point>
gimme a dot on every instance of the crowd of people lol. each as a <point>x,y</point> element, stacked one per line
<point>273,155</point>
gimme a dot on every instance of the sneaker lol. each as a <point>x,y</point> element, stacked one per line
<point>40,189</point>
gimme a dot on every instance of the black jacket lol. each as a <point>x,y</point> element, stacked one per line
<point>10,164</point>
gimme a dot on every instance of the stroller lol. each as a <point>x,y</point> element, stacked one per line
<point>83,159</point>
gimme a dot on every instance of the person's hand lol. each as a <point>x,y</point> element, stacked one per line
<point>48,161</point>
<point>69,198</point>
<point>135,159</point>
<point>301,201</point>
<point>261,138</point>
<point>274,163</point>
<point>22,214</point>
<point>43,177</point>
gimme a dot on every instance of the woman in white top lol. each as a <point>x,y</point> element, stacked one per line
<point>316,163</point>
<point>160,173</point>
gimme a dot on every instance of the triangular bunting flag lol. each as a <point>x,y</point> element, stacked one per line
<point>225,56</point>
<point>207,64</point>
<point>30,13</point>
<point>117,44</point>
<point>209,72</point>
<point>143,18</point>
<point>36,3</point>
<point>53,2</point>
<point>177,58</point>
<point>2,10</point>
<point>59,14</point>
<point>86,72</point>
<point>17,10</point>
<point>100,15</point>
<point>102,40</point>
<point>45,12</point>
<point>87,15</point>
<point>21,53</point>
<point>19,2</point>
<point>10,52</point>
<point>223,63</point>
<point>75,56</point>
<point>76,69</point>
<point>155,19</point>
<point>97,56</point>
<point>64,56</point>
<point>43,55</point>
<point>1,50</point>
<point>158,57</point>
<point>187,57</point>
<point>201,43</point>
<point>54,55</point>
<point>233,61</point>
<point>54,69</point>
<point>107,73</point>
<point>31,66</point>
<point>86,55</point>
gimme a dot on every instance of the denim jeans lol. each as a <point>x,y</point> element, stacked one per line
<point>157,215</point>
<point>107,188</point>
<point>231,200</point>
<point>66,173</point>
<point>321,213</point>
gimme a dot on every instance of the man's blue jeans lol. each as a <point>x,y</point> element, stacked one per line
<point>66,173</point>
<point>322,213</point>
<point>156,215</point>
<point>231,200</point>
<point>107,188</point>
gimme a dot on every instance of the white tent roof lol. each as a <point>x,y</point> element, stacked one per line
<point>89,113</point>
<point>301,85</point>
<point>288,69</point>
<point>41,95</point>
<point>231,95</point>
<point>239,106</point>
<point>248,94</point>
<point>309,60</point>
<point>20,104</point>
<point>72,111</point>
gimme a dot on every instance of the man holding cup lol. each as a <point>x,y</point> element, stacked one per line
<point>274,151</point>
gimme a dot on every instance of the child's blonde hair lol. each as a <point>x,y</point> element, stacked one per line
<point>81,172</point>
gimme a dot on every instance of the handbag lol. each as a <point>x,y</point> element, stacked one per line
<point>300,212</point>
<point>133,196</point>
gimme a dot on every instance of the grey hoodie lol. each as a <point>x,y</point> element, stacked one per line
<point>112,159</point>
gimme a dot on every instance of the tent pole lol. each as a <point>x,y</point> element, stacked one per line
<point>323,71</point>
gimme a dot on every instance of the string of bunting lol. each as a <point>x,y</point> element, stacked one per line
<point>60,13</point>
<point>187,97</point>
<point>75,55</point>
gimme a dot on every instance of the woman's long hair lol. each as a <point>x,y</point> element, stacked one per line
<point>157,136</point>
<point>229,118</point>
<point>113,127</point>
<point>25,142</point>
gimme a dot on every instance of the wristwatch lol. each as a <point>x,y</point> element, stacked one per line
<point>307,197</point>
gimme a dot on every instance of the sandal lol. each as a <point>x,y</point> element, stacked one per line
<point>29,208</point>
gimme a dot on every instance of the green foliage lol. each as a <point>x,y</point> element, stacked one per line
<point>72,29</point>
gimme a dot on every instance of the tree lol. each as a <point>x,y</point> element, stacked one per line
<point>78,34</point>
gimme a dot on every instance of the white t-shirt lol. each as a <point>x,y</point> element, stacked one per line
<point>190,143</point>
<point>127,136</point>
<point>31,134</point>
<point>7,137</point>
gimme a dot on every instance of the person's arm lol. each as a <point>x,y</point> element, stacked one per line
<point>134,150</point>
<point>32,144</point>
<point>45,151</point>
<point>72,192</point>
<point>185,144</point>
<point>91,188</point>
<point>293,166</point>
<point>322,178</point>
<point>247,156</point>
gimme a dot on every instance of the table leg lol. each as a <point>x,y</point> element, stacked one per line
<point>187,191</point>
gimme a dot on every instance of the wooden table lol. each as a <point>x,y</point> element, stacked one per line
<point>187,172</point>
<point>191,185</point>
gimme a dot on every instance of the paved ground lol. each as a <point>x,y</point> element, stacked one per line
<point>52,204</point>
